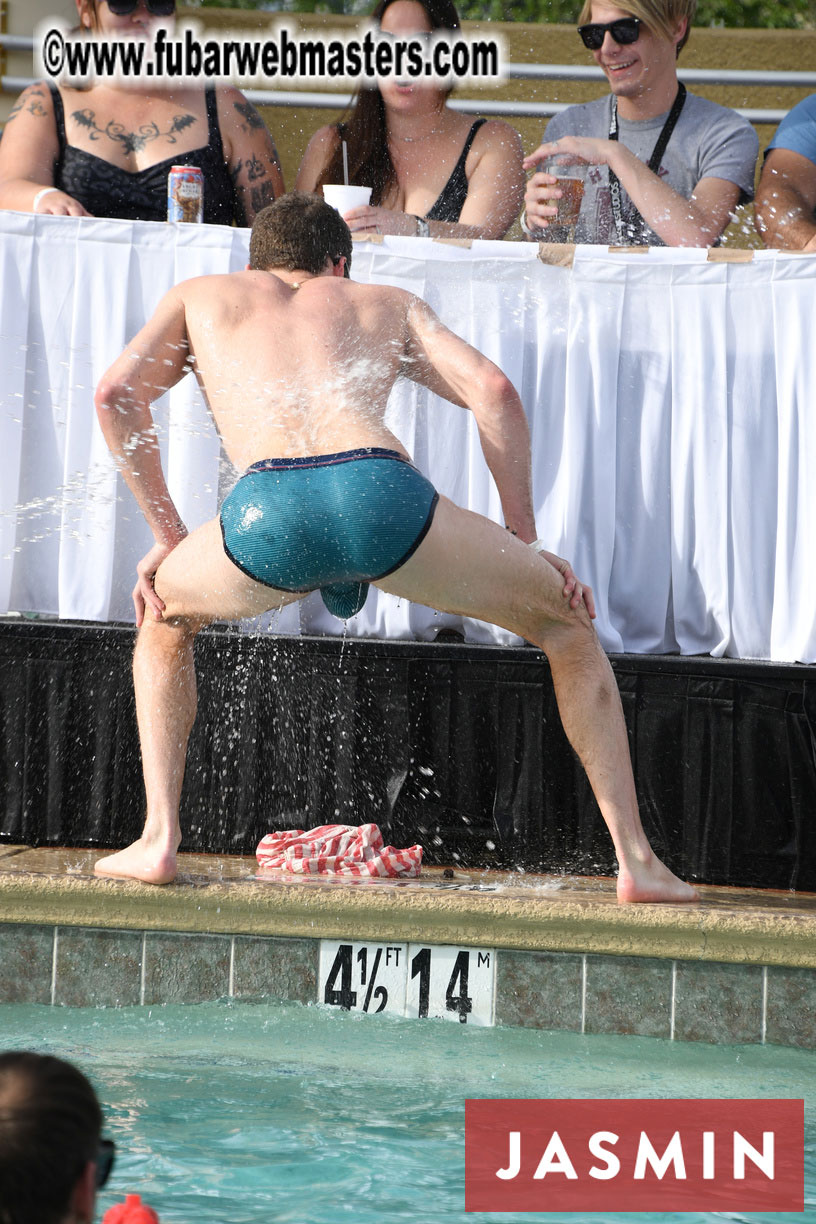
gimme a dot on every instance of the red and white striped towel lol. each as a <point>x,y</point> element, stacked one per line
<point>337,850</point>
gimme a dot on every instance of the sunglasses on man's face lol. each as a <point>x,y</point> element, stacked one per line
<point>625,30</point>
<point>156,8</point>
<point>105,1156</point>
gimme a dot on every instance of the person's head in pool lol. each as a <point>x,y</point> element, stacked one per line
<point>300,232</point>
<point>52,1157</point>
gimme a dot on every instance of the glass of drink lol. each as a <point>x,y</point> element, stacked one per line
<point>570,173</point>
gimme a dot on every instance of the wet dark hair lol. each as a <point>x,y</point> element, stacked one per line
<point>299,230</point>
<point>50,1125</point>
<point>364,129</point>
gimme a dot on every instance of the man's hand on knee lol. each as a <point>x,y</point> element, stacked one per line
<point>144,593</point>
<point>574,590</point>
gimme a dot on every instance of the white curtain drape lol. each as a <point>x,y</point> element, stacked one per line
<point>671,400</point>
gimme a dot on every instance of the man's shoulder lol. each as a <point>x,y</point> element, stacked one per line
<point>726,144</point>
<point>582,119</point>
<point>802,112</point>
<point>215,282</point>
<point>384,293</point>
<point>797,131</point>
<point>702,111</point>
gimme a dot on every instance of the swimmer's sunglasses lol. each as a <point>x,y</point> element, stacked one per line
<point>625,30</point>
<point>105,1157</point>
<point>156,8</point>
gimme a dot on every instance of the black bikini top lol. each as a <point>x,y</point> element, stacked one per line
<point>451,199</point>
<point>141,195</point>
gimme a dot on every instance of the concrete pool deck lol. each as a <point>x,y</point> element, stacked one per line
<point>738,965</point>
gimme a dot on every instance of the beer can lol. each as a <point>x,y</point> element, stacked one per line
<point>185,194</point>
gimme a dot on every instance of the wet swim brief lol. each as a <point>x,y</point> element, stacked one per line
<point>334,522</point>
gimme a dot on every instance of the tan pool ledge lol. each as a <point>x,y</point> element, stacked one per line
<point>225,895</point>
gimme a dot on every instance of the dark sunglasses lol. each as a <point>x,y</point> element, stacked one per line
<point>156,8</point>
<point>625,30</point>
<point>105,1157</point>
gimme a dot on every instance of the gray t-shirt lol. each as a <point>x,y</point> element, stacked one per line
<point>709,141</point>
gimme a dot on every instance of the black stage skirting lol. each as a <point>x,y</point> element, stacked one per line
<point>457,747</point>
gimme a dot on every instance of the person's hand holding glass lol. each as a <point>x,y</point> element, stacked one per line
<point>554,193</point>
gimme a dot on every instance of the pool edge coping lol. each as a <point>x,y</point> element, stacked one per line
<point>383,913</point>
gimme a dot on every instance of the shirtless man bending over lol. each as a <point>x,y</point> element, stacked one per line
<point>297,363</point>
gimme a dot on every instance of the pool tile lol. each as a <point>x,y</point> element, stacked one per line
<point>718,1002</point>
<point>275,968</point>
<point>26,963</point>
<point>539,990</point>
<point>791,1014</point>
<point>628,994</point>
<point>186,968</point>
<point>98,968</point>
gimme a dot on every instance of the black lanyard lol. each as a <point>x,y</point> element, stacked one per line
<point>637,225</point>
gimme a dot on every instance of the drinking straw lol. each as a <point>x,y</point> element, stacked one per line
<point>345,163</point>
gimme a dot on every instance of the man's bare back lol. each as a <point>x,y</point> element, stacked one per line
<point>296,371</point>
<point>297,362</point>
<point>299,365</point>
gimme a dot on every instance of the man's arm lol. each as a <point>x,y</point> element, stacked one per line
<point>156,359</point>
<point>786,201</point>
<point>698,221</point>
<point>448,366</point>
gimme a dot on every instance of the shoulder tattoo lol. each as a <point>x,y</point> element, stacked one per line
<point>31,102</point>
<point>252,120</point>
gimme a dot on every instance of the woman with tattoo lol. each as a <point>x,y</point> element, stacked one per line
<point>432,171</point>
<point>106,151</point>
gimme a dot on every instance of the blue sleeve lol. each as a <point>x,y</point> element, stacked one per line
<point>797,131</point>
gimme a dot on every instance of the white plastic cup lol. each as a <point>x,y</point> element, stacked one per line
<point>345,198</point>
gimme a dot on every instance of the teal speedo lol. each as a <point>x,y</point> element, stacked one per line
<point>335,521</point>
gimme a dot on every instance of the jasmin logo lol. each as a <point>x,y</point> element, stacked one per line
<point>635,1155</point>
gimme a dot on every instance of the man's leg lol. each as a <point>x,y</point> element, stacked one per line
<point>468,565</point>
<point>198,584</point>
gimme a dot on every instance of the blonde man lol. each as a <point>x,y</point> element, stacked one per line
<point>666,168</point>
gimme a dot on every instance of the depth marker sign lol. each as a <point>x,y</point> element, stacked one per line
<point>418,980</point>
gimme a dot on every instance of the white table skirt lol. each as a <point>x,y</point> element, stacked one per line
<point>672,405</point>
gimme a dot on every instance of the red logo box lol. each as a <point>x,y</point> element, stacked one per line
<point>634,1155</point>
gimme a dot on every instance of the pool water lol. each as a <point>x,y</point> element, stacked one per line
<point>285,1114</point>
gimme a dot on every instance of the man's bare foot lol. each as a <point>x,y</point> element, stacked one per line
<point>147,861</point>
<point>652,881</point>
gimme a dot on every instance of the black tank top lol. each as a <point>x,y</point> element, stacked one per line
<point>141,195</point>
<point>451,199</point>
